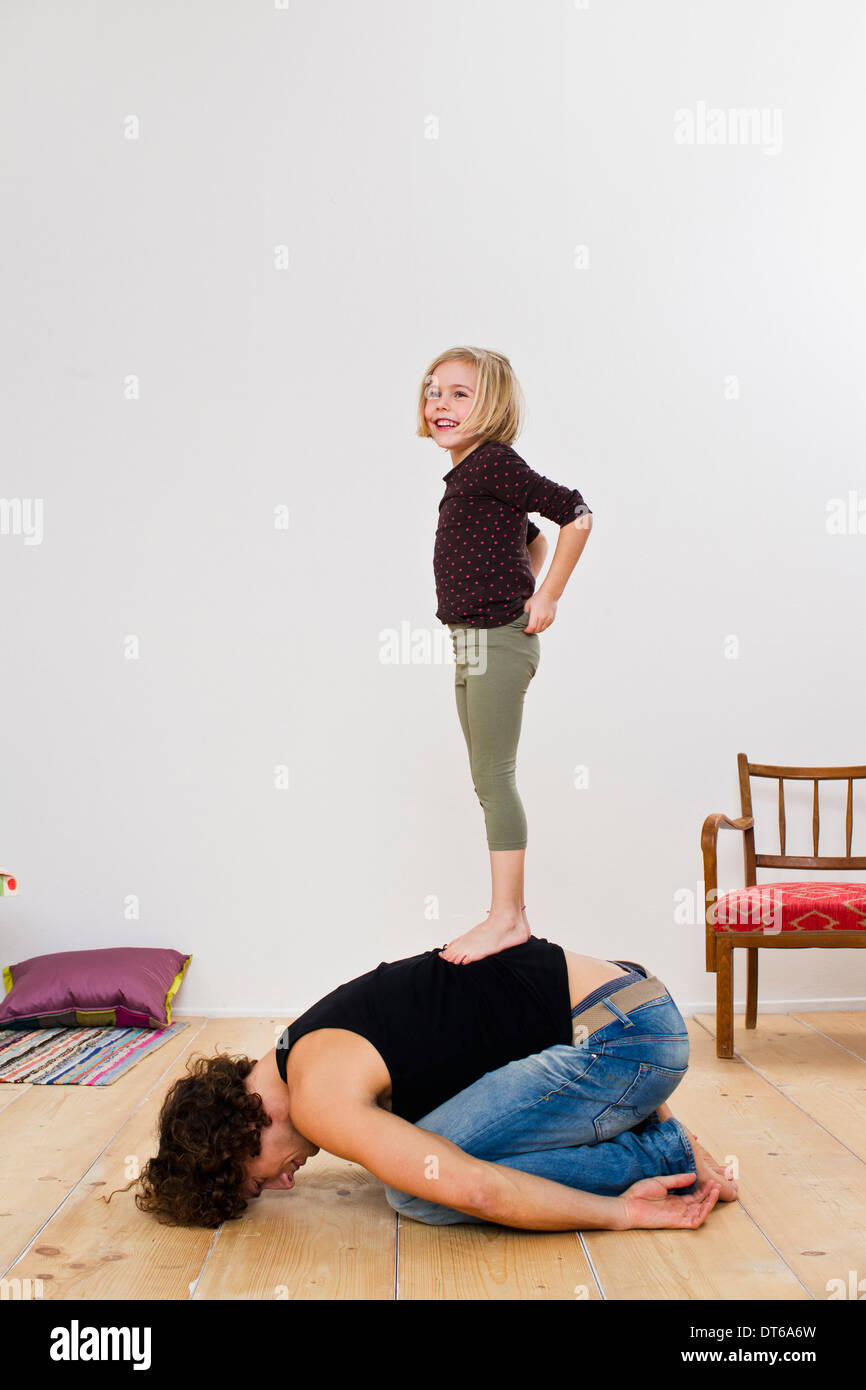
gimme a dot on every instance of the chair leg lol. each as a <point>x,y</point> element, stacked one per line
<point>752,987</point>
<point>724,998</point>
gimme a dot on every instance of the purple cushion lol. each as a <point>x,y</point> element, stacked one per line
<point>121,986</point>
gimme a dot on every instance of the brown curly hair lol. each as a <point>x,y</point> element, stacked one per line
<point>210,1125</point>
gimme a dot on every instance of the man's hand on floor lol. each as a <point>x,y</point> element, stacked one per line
<point>651,1205</point>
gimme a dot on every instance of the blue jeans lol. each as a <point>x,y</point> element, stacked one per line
<point>582,1115</point>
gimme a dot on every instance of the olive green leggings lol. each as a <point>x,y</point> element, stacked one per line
<point>494,666</point>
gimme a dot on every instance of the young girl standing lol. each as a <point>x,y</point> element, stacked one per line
<point>486,558</point>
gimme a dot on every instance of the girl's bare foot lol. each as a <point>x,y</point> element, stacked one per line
<point>503,927</point>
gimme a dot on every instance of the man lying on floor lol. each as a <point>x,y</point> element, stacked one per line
<point>526,1089</point>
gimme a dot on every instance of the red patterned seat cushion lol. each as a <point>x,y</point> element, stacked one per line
<point>795,907</point>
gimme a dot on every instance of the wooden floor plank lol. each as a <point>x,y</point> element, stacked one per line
<point>803,1189</point>
<point>491,1262</point>
<point>332,1237</point>
<point>727,1258</point>
<point>10,1093</point>
<point>827,1081</point>
<point>51,1135</point>
<point>93,1249</point>
<point>846,1030</point>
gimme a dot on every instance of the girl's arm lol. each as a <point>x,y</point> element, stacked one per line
<point>569,548</point>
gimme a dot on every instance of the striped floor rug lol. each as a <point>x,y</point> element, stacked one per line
<point>76,1056</point>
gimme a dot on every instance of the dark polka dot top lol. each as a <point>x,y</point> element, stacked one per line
<point>480,561</point>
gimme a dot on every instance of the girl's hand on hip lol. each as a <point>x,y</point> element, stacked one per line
<point>542,611</point>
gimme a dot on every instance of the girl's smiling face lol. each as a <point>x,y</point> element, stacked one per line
<point>450,395</point>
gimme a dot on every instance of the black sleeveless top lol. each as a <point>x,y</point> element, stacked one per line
<point>439,1027</point>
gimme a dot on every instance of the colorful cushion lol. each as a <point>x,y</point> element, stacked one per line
<point>118,987</point>
<point>793,907</point>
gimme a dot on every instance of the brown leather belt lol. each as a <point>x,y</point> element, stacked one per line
<point>627,997</point>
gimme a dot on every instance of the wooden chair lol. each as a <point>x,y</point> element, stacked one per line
<point>777,914</point>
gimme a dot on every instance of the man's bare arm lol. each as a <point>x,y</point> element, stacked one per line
<point>425,1165</point>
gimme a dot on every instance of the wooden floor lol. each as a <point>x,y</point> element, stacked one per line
<point>789,1109</point>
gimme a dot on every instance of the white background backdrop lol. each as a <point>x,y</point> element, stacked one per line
<point>696,370</point>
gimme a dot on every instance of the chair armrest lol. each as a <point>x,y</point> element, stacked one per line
<point>714,823</point>
<point>709,839</point>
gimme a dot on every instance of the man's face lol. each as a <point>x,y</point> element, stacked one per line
<point>284,1151</point>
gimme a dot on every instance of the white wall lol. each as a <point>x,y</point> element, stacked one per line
<point>308,126</point>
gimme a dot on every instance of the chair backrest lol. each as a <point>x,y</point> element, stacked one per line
<point>782,860</point>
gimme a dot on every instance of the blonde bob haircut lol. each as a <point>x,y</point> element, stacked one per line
<point>498,407</point>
